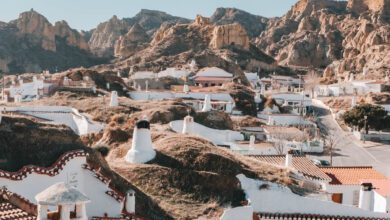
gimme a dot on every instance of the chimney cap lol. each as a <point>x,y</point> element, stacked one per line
<point>367,186</point>
<point>143,123</point>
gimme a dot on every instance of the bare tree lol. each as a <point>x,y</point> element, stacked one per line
<point>332,141</point>
<point>312,79</point>
<point>279,146</point>
<point>279,141</point>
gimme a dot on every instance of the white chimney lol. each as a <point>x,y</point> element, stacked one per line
<point>142,148</point>
<point>366,196</point>
<point>229,107</point>
<point>353,102</point>
<point>186,88</point>
<point>187,124</point>
<point>146,85</point>
<point>114,99</point>
<point>130,202</point>
<point>207,104</point>
<point>289,159</point>
<point>252,140</point>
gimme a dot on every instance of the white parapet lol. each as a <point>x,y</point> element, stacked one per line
<point>207,104</point>
<point>114,99</point>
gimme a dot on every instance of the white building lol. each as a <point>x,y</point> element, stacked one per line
<point>284,119</point>
<point>80,123</point>
<point>346,185</point>
<point>73,170</point>
<point>218,137</point>
<point>212,76</point>
<point>274,201</point>
<point>219,101</point>
<point>355,87</point>
<point>28,90</point>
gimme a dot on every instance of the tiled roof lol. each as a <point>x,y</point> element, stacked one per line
<point>283,216</point>
<point>209,78</point>
<point>281,129</point>
<point>11,212</point>
<point>300,163</point>
<point>381,186</point>
<point>351,175</point>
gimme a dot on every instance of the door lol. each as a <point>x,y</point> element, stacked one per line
<point>337,198</point>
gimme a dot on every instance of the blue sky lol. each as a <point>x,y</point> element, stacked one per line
<point>86,14</point>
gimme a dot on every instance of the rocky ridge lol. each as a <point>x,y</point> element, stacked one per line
<point>104,37</point>
<point>32,44</point>
<point>339,36</point>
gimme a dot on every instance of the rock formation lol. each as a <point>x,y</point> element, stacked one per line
<point>253,24</point>
<point>343,36</point>
<point>126,45</point>
<point>38,26</point>
<point>103,38</point>
<point>32,44</point>
<point>73,37</point>
<point>230,34</point>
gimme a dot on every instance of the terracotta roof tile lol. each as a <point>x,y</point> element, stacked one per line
<point>283,216</point>
<point>11,212</point>
<point>351,175</point>
<point>300,163</point>
<point>381,186</point>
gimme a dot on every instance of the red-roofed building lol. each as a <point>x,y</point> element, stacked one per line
<point>347,187</point>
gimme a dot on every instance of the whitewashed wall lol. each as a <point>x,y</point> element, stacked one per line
<point>74,174</point>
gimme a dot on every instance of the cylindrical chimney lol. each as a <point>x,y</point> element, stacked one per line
<point>365,196</point>
<point>289,159</point>
<point>130,202</point>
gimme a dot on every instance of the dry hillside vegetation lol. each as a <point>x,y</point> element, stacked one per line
<point>190,173</point>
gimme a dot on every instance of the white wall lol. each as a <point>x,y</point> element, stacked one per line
<point>68,116</point>
<point>218,137</point>
<point>348,192</point>
<point>156,95</point>
<point>238,213</point>
<point>74,174</point>
<point>381,204</point>
<point>279,199</point>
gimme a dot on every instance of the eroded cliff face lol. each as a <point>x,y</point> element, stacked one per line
<point>339,36</point>
<point>253,24</point>
<point>73,37</point>
<point>230,34</point>
<point>128,44</point>
<point>32,44</point>
<point>38,26</point>
<point>104,37</point>
<point>224,46</point>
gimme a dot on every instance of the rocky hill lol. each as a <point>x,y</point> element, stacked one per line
<point>103,38</point>
<point>32,44</point>
<point>227,46</point>
<point>337,35</point>
<point>253,24</point>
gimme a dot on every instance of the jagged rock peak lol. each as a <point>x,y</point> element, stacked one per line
<point>306,7</point>
<point>230,34</point>
<point>31,22</point>
<point>253,24</point>
<point>201,21</point>
<point>73,37</point>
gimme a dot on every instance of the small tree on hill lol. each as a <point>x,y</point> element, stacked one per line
<point>377,117</point>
